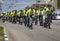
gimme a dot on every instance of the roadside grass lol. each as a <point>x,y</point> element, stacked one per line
<point>1,33</point>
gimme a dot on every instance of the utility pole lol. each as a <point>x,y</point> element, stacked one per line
<point>0,6</point>
<point>38,2</point>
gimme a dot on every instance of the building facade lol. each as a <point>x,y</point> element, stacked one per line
<point>54,3</point>
<point>58,4</point>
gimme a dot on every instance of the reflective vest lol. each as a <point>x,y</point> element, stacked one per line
<point>15,13</point>
<point>43,12</point>
<point>48,11</point>
<point>28,12</point>
<point>1,14</point>
<point>18,13</point>
<point>40,12</point>
<point>12,14</point>
<point>21,14</point>
<point>24,13</point>
<point>6,14</point>
<point>31,11</point>
<point>36,12</point>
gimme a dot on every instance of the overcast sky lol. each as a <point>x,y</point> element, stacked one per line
<point>9,5</point>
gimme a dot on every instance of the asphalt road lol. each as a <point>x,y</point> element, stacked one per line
<point>18,32</point>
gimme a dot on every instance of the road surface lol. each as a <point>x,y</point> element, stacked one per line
<point>18,32</point>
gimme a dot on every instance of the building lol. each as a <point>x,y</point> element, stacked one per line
<point>41,4</point>
<point>53,3</point>
<point>58,4</point>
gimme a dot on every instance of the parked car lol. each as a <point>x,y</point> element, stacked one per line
<point>56,15</point>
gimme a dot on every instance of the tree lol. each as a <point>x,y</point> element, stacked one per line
<point>58,4</point>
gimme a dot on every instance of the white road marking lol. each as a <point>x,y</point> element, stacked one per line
<point>6,39</point>
<point>5,36</point>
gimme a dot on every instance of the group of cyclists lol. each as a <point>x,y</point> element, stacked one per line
<point>28,17</point>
